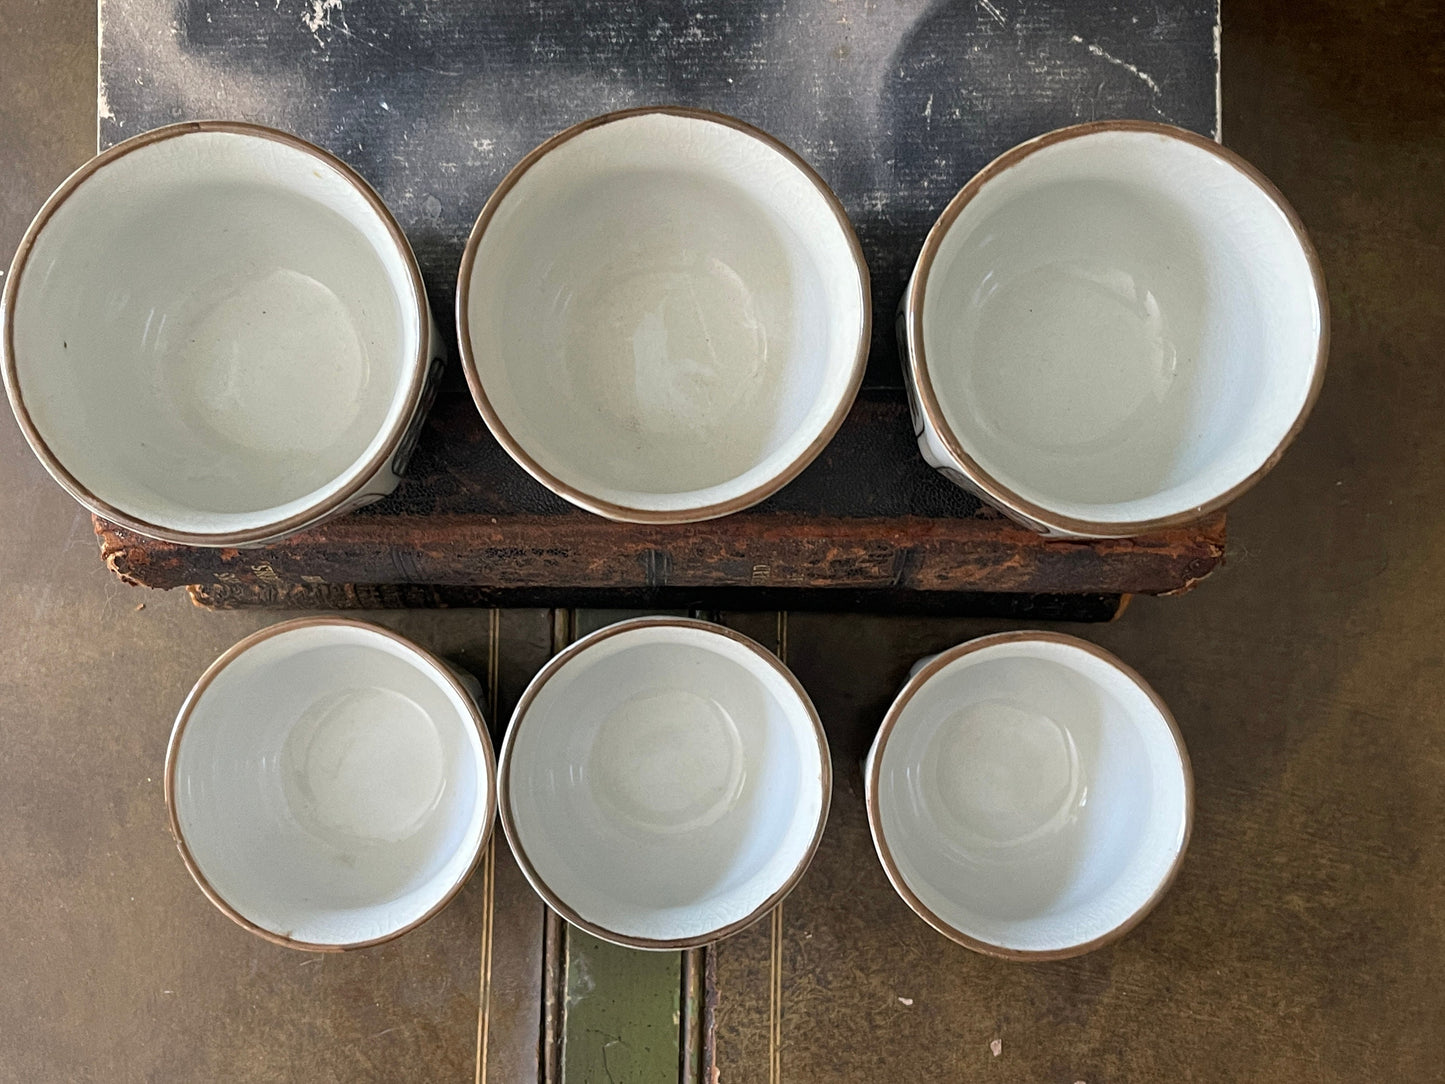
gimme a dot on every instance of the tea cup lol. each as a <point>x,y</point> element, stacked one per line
<point>1113,329</point>
<point>1029,795</point>
<point>330,784</point>
<point>216,334</point>
<point>664,782</point>
<point>663,314</point>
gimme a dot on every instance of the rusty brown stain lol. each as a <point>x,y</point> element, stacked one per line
<point>581,551</point>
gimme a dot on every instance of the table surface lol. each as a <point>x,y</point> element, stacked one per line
<point>1304,940</point>
<point>895,104</point>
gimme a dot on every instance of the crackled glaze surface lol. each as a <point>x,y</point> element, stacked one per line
<point>664,782</point>
<point>330,784</point>
<point>665,316</point>
<point>1028,796</point>
<point>216,333</point>
<point>1121,326</point>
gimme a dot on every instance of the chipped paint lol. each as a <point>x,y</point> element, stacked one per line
<point>1098,51</point>
<point>319,18</point>
<point>103,112</point>
<point>1218,83</point>
<point>993,12</point>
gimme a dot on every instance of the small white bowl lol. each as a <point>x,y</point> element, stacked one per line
<point>216,334</point>
<point>664,783</point>
<point>330,784</point>
<point>663,314</point>
<point>1029,795</point>
<point>1113,329</point>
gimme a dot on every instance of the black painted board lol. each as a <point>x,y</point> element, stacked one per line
<point>896,104</point>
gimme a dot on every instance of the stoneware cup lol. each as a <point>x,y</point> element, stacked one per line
<point>663,314</point>
<point>330,784</point>
<point>215,333</point>
<point>664,783</point>
<point>1113,329</point>
<point>1029,795</point>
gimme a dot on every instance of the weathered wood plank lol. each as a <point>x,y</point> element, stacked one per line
<point>746,1005</point>
<point>585,552</point>
<point>622,1013</point>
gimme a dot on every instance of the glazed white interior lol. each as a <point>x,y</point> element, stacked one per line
<point>1121,326</point>
<point>665,782</point>
<point>665,313</point>
<point>331,785</point>
<point>1032,796</point>
<point>215,332</point>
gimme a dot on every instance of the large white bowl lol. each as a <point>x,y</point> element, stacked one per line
<point>1029,795</point>
<point>330,784</point>
<point>1113,328</point>
<point>215,333</point>
<point>664,782</point>
<point>663,314</point>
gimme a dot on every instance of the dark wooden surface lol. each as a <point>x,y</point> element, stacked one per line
<point>1304,940</point>
<point>896,104</point>
<point>1071,607</point>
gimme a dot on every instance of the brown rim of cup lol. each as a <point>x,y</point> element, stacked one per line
<point>441,670</point>
<point>918,364</point>
<point>875,819</point>
<point>504,803</point>
<point>266,532</point>
<point>571,493</point>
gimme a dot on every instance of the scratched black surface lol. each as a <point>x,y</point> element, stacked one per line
<point>895,103</point>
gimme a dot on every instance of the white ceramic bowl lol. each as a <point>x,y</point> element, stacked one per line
<point>1029,796</point>
<point>664,782</point>
<point>215,333</point>
<point>663,314</point>
<point>330,784</point>
<point>1112,329</point>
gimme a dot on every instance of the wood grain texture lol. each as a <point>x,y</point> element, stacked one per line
<point>512,1012</point>
<point>867,515</point>
<point>895,104</point>
<point>740,977</point>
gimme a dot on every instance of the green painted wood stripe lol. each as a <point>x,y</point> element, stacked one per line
<point>622,1013</point>
<point>621,1008</point>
